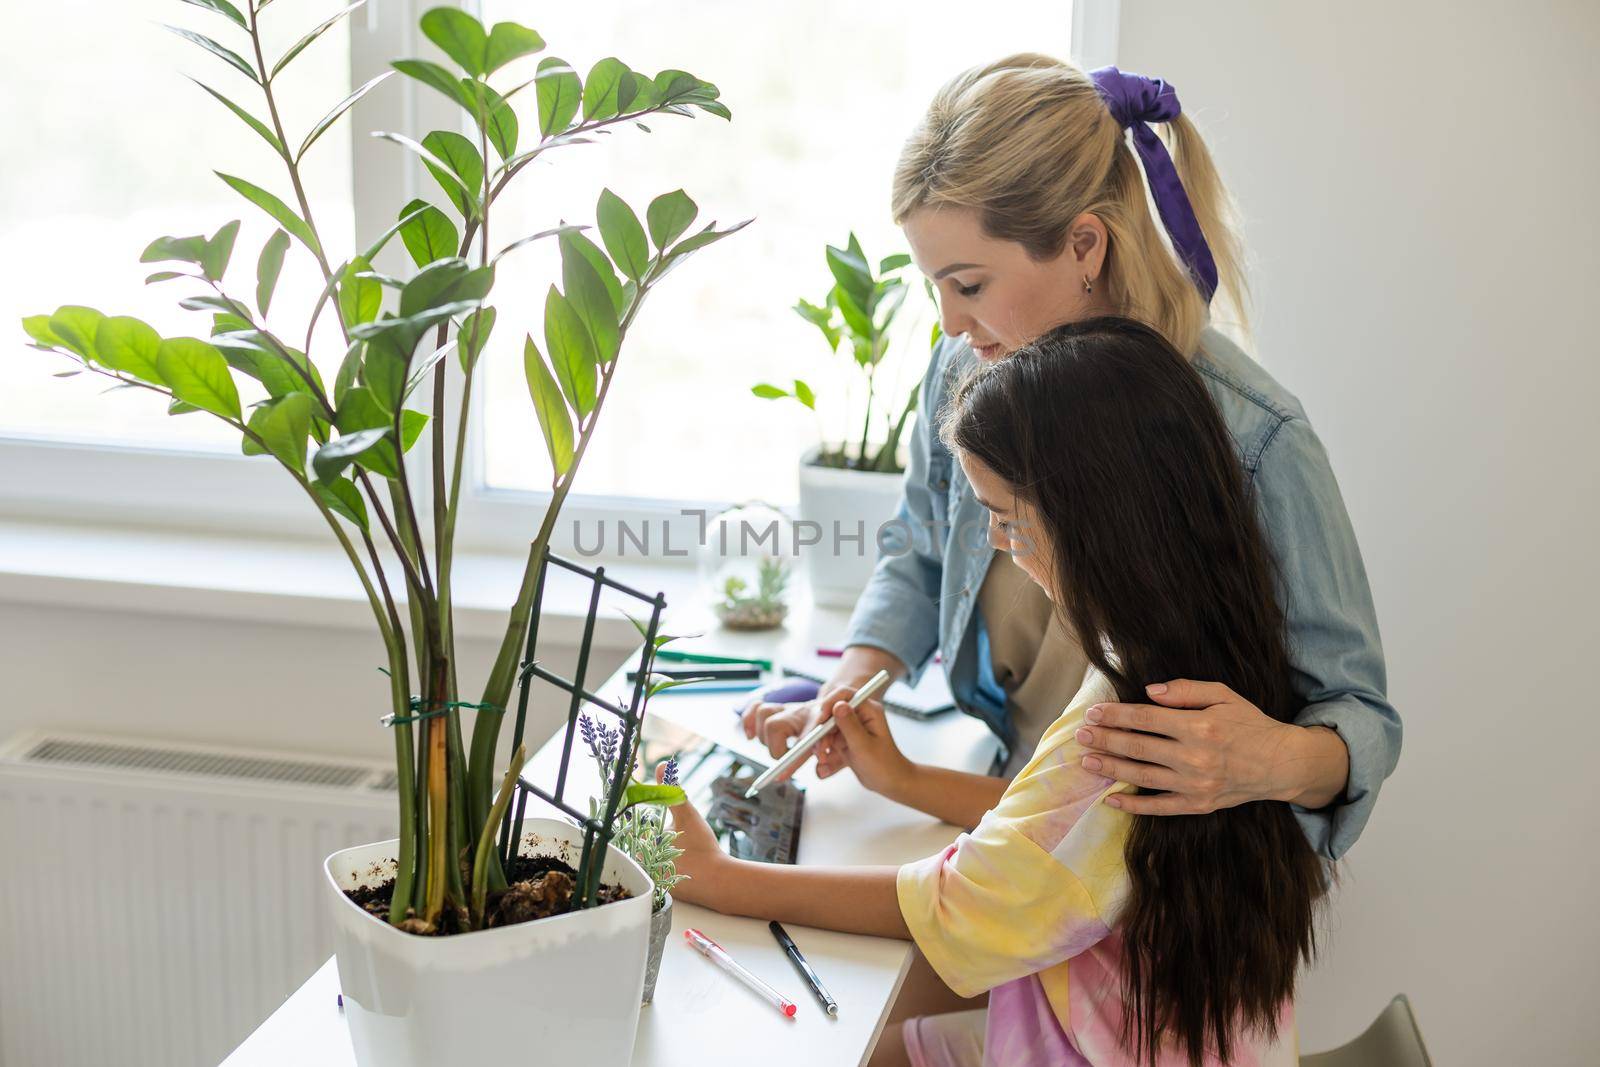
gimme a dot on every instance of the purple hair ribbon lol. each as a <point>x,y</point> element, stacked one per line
<point>1134,101</point>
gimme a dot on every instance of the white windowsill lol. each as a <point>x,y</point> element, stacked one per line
<point>294,582</point>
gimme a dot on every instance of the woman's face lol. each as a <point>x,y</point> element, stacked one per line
<point>1013,525</point>
<point>995,293</point>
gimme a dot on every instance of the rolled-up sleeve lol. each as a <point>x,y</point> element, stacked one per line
<point>899,609</point>
<point>1335,649</point>
<point>993,907</point>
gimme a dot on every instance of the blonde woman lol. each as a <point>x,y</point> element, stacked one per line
<point>1024,195</point>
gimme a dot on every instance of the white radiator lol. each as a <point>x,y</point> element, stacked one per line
<point>158,901</point>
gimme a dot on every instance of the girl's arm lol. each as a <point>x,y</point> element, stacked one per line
<point>856,900</point>
<point>955,797</point>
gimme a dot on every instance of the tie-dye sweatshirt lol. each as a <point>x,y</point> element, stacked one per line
<point>1026,906</point>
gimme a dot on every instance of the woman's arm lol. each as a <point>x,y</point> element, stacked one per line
<point>1331,761</point>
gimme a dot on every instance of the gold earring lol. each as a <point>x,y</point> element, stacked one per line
<point>1087,286</point>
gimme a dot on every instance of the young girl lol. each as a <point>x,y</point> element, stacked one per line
<point>1103,937</point>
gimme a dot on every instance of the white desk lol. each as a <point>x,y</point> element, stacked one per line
<point>700,1015</point>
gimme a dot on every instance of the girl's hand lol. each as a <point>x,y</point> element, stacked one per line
<point>863,743</point>
<point>1209,748</point>
<point>707,869</point>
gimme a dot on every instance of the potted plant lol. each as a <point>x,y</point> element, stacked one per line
<point>642,833</point>
<point>438,966</point>
<point>849,488</point>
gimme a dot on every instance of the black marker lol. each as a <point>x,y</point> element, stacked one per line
<point>803,967</point>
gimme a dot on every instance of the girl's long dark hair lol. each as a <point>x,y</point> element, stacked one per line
<point>1161,567</point>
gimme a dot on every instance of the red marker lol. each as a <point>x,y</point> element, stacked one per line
<point>715,952</point>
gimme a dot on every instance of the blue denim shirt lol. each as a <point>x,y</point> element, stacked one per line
<point>924,590</point>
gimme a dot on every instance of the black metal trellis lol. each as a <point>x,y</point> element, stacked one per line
<point>596,831</point>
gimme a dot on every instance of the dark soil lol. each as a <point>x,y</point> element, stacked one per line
<point>540,886</point>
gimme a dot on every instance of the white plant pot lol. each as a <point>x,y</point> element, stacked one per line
<point>568,986</point>
<point>843,503</point>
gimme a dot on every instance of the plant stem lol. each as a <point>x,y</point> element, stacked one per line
<point>480,861</point>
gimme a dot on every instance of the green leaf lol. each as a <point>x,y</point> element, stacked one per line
<point>206,302</point>
<point>554,422</point>
<point>302,43</point>
<point>336,455</point>
<point>343,498</point>
<point>249,119</point>
<point>217,251</point>
<point>268,268</point>
<point>182,249</point>
<point>361,410</point>
<point>125,344</point>
<point>196,372</point>
<point>497,118</point>
<point>475,330</point>
<point>588,297</point>
<point>165,276</point>
<point>850,270</point>
<point>283,426</point>
<point>541,235</point>
<point>429,236</point>
<point>769,392</point>
<point>338,109</point>
<point>601,89</point>
<point>854,317</point>
<point>893,263</point>
<point>574,241</point>
<point>76,327</point>
<point>434,284</point>
<point>349,370</point>
<point>459,36</point>
<point>560,92</point>
<point>454,163</point>
<point>508,41</point>
<point>572,352</point>
<point>38,328</point>
<point>435,76</point>
<point>230,57</point>
<point>181,407</point>
<point>707,236</point>
<point>274,207</point>
<point>822,318</point>
<point>803,393</point>
<point>360,299</point>
<point>624,237</point>
<point>650,793</point>
<point>669,215</point>
<point>222,7</point>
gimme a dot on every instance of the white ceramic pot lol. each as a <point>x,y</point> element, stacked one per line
<point>843,504</point>
<point>568,986</point>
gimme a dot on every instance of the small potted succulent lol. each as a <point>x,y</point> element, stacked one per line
<point>850,488</point>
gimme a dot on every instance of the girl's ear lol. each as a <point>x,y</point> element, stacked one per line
<point>1087,243</point>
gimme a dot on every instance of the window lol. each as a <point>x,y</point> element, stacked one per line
<point>822,95</point>
<point>120,147</point>
<point>112,147</point>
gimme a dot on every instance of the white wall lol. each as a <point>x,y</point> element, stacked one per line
<point>1419,181</point>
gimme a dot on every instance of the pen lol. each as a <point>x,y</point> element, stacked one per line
<point>829,1005</point>
<point>719,673</point>
<point>704,657</point>
<point>835,653</point>
<point>715,953</point>
<point>821,730</point>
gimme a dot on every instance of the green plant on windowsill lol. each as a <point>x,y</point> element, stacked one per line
<point>858,313</point>
<point>343,443</point>
<point>740,607</point>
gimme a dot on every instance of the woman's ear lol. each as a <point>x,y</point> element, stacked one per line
<point>1087,243</point>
